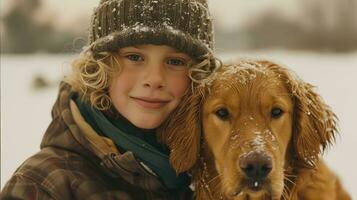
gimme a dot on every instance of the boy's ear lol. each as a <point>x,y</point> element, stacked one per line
<point>181,132</point>
<point>315,125</point>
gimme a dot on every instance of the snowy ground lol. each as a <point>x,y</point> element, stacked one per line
<point>25,112</point>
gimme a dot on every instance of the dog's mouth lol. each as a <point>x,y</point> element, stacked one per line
<point>252,189</point>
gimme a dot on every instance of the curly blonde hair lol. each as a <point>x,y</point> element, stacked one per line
<point>92,75</point>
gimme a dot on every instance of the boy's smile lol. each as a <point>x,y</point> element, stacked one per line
<point>147,102</point>
<point>150,84</point>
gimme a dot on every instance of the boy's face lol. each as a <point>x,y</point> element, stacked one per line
<point>150,84</point>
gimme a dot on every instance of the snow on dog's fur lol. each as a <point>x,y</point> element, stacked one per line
<point>254,131</point>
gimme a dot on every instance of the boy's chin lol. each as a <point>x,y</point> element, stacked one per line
<point>144,120</point>
<point>146,124</point>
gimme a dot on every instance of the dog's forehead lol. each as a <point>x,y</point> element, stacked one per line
<point>248,79</point>
<point>240,74</point>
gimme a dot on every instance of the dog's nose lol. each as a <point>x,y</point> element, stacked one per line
<point>256,165</point>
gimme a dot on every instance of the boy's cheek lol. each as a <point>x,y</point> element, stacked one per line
<point>179,85</point>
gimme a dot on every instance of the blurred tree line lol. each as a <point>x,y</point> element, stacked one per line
<point>323,25</point>
<point>23,34</point>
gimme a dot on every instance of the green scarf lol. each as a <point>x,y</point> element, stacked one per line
<point>127,137</point>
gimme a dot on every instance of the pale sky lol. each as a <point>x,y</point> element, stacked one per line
<point>229,13</point>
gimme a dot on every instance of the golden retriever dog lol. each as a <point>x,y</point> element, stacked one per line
<point>254,131</point>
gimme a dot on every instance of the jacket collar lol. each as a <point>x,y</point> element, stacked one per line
<point>155,158</point>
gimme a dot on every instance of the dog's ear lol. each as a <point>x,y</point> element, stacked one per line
<point>315,125</point>
<point>181,132</point>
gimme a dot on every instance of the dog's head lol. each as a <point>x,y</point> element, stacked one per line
<point>256,118</point>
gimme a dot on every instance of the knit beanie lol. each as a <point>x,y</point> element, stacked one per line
<point>182,24</point>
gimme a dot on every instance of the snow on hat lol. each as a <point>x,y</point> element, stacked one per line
<point>183,24</point>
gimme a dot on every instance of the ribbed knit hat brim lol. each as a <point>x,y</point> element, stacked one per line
<point>183,24</point>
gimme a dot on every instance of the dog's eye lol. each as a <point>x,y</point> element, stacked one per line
<point>222,113</point>
<point>276,113</point>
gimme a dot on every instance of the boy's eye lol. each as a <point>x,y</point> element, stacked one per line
<point>177,64</point>
<point>134,57</point>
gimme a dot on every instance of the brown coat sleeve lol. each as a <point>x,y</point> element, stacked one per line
<point>20,187</point>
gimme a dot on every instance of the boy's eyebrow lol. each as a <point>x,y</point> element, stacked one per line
<point>178,52</point>
<point>133,46</point>
<point>182,55</point>
<point>136,46</point>
<point>175,51</point>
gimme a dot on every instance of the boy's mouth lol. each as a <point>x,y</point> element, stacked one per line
<point>152,103</point>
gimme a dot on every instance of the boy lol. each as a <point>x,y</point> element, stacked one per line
<point>143,55</point>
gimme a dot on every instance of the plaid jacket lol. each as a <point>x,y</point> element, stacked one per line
<point>76,163</point>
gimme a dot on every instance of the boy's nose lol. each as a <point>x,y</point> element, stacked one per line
<point>154,77</point>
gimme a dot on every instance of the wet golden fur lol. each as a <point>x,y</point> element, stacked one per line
<point>211,146</point>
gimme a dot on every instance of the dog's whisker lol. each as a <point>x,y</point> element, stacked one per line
<point>214,178</point>
<point>286,189</point>
<point>289,175</point>
<point>289,180</point>
<point>286,192</point>
<point>284,195</point>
